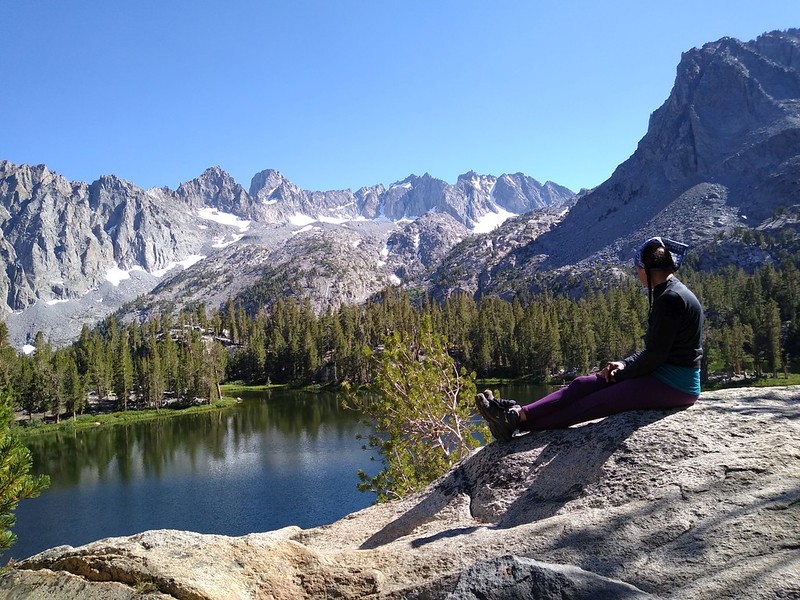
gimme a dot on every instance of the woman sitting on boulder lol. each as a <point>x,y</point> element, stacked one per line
<point>665,374</point>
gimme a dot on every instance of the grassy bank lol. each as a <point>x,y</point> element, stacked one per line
<point>230,393</point>
<point>37,426</point>
<point>231,390</point>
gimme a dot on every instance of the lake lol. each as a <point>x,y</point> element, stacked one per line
<point>281,457</point>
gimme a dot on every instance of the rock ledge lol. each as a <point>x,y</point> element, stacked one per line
<point>702,503</point>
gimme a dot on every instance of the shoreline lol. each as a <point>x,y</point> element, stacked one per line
<point>25,427</point>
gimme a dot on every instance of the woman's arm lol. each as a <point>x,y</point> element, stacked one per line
<point>661,331</point>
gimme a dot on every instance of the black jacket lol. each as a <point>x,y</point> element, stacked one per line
<point>674,332</point>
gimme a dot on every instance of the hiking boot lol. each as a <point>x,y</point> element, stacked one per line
<point>502,402</point>
<point>503,422</point>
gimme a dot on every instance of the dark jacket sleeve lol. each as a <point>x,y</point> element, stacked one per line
<point>661,332</point>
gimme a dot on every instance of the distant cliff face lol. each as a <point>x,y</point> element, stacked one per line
<point>64,245</point>
<point>60,239</point>
<point>722,152</point>
<point>695,504</point>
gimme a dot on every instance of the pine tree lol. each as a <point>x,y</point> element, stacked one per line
<point>70,386</point>
<point>773,333</point>
<point>421,412</point>
<point>255,353</point>
<point>41,391</point>
<point>229,322</point>
<point>167,366</point>
<point>123,368</point>
<point>8,361</point>
<point>155,368</point>
<point>214,368</point>
<point>28,400</point>
<point>16,482</point>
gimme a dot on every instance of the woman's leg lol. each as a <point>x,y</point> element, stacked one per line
<point>591,397</point>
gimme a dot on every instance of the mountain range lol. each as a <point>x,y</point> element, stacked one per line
<point>720,156</point>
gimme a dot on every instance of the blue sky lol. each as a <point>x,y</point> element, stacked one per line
<point>349,93</point>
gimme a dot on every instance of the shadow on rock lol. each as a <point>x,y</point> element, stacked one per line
<point>440,496</point>
<point>570,460</point>
<point>527,479</point>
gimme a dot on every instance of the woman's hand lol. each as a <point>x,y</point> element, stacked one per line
<point>609,372</point>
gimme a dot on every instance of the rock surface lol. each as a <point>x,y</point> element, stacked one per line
<point>697,504</point>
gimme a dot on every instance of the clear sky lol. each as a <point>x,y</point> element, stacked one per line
<point>347,93</point>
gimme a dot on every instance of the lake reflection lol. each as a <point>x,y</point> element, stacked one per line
<point>279,458</point>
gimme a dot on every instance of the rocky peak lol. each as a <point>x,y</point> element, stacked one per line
<point>475,180</point>
<point>216,188</point>
<point>732,120</point>
<point>211,181</point>
<point>18,183</point>
<point>412,197</point>
<point>110,190</point>
<point>476,187</point>
<point>369,200</point>
<point>263,184</point>
<point>275,199</point>
<point>519,193</point>
<point>782,48</point>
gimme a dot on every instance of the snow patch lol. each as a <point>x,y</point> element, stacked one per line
<point>301,220</point>
<point>355,243</point>
<point>416,243</point>
<point>27,349</point>
<point>492,220</point>
<point>54,302</point>
<point>115,275</point>
<point>394,279</point>
<point>223,218</point>
<point>333,220</point>
<point>304,229</point>
<point>269,193</point>
<point>221,243</point>
<point>190,260</point>
<point>384,254</point>
<point>185,263</point>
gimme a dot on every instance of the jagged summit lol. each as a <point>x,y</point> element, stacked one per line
<point>723,151</point>
<point>70,242</point>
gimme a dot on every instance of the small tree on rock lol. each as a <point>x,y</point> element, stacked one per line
<point>421,410</point>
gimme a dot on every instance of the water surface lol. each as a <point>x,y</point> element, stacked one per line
<point>280,458</point>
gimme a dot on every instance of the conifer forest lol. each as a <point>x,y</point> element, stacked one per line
<point>182,359</point>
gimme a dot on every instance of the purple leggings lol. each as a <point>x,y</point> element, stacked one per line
<point>590,397</point>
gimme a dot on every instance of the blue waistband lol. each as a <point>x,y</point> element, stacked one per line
<point>685,379</point>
